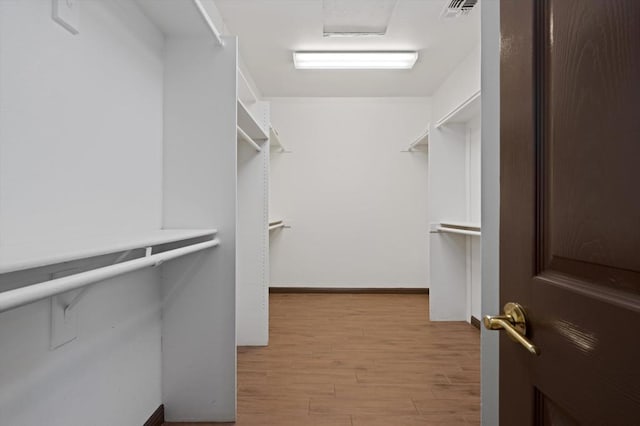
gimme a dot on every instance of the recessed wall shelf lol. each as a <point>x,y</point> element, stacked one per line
<point>463,113</point>
<point>249,124</point>
<point>22,257</point>
<point>461,228</point>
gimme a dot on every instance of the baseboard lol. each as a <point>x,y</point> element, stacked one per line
<point>475,322</point>
<point>349,290</point>
<point>157,418</point>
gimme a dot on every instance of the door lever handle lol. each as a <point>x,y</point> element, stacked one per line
<point>514,322</point>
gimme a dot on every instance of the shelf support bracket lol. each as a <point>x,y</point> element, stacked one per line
<point>83,292</point>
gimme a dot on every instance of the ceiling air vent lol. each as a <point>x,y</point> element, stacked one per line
<point>457,8</point>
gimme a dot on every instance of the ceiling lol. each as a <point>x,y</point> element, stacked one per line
<point>270,30</point>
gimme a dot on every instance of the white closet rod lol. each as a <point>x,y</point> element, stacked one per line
<point>457,109</point>
<point>32,293</point>
<point>418,141</point>
<point>458,231</point>
<point>276,226</point>
<point>245,137</point>
<point>209,22</point>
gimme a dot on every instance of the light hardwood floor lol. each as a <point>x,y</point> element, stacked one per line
<point>359,360</point>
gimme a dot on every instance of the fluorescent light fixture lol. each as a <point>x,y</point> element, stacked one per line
<point>338,34</point>
<point>354,60</point>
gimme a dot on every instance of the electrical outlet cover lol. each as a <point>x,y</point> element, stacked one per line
<point>66,13</point>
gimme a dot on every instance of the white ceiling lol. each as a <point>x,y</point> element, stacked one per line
<point>270,30</point>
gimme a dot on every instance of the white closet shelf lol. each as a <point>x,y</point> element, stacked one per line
<point>454,227</point>
<point>185,18</point>
<point>464,112</point>
<point>249,124</point>
<point>423,140</point>
<point>245,92</point>
<point>21,257</point>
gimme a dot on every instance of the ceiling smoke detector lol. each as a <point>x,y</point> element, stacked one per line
<point>458,8</point>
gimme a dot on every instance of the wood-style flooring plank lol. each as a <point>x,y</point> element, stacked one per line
<point>359,360</point>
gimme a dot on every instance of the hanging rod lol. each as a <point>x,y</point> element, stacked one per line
<point>467,103</point>
<point>276,225</point>
<point>458,231</point>
<point>209,22</point>
<point>32,293</point>
<point>414,144</point>
<point>245,137</point>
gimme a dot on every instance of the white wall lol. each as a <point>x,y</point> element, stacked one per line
<point>80,137</point>
<point>463,81</point>
<point>490,204</point>
<point>67,167</point>
<point>356,204</point>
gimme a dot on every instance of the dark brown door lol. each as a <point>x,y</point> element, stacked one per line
<point>570,210</point>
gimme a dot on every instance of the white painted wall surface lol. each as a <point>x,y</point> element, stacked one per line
<point>356,204</point>
<point>463,81</point>
<point>80,122</point>
<point>80,138</point>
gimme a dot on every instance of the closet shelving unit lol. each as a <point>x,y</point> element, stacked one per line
<point>191,126</point>
<point>253,223</point>
<point>249,130</point>
<point>454,168</point>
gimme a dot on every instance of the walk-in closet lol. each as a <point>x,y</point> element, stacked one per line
<point>262,211</point>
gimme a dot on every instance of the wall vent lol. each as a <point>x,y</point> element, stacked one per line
<point>458,8</point>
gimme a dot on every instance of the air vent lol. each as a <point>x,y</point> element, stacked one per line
<point>458,8</point>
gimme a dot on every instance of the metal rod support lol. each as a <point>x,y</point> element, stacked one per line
<point>82,293</point>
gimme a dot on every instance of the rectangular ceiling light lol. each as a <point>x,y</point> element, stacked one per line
<point>354,60</point>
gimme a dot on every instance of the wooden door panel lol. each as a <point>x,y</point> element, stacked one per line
<point>591,102</point>
<point>588,364</point>
<point>549,414</point>
<point>570,210</point>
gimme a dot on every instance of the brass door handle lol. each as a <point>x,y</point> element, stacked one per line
<point>514,322</point>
